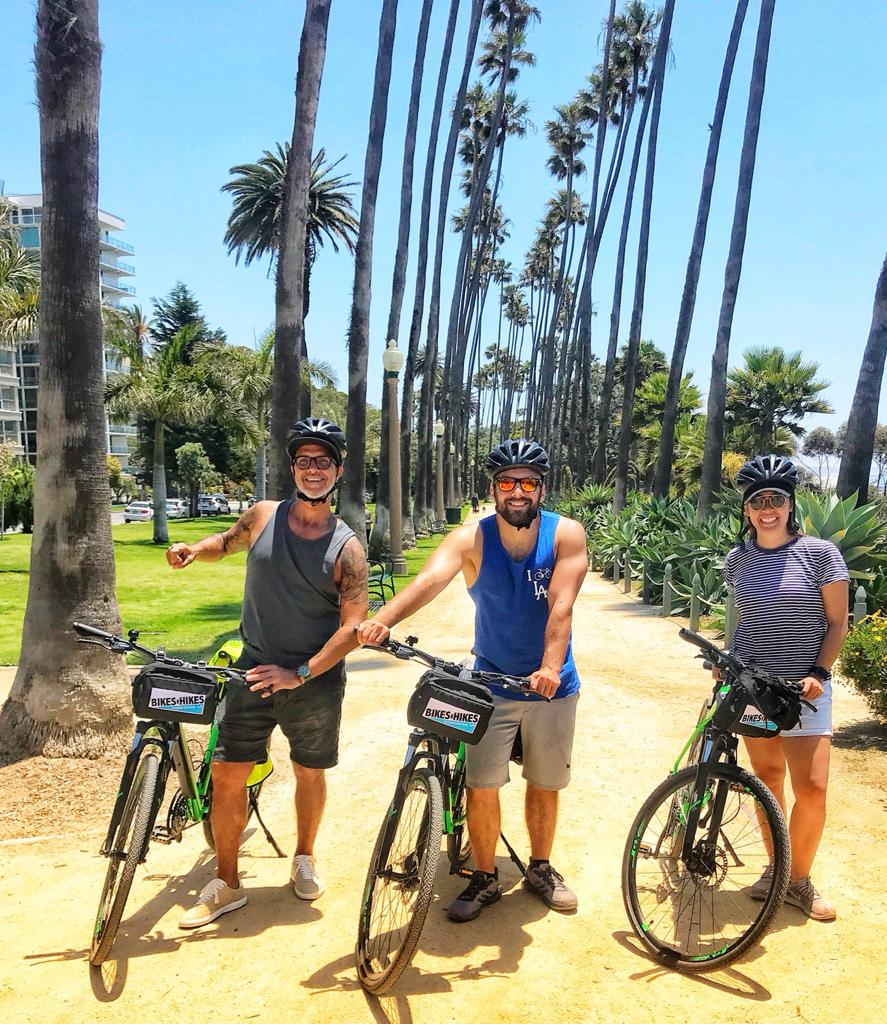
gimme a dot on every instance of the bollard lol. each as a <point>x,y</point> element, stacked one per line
<point>860,607</point>
<point>695,603</point>
<point>645,582</point>
<point>616,569</point>
<point>666,591</point>
<point>593,560</point>
<point>627,587</point>
<point>729,618</point>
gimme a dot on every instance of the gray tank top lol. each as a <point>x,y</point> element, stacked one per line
<point>290,601</point>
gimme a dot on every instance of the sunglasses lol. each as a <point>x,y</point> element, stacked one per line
<point>528,484</point>
<point>773,501</point>
<point>307,461</point>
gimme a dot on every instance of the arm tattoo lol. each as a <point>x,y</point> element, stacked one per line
<point>237,537</point>
<point>353,575</point>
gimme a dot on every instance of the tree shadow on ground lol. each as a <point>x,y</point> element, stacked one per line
<point>866,734</point>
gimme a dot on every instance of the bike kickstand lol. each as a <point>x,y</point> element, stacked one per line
<point>268,836</point>
<point>518,862</point>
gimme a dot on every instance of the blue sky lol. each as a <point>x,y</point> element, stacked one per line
<point>190,89</point>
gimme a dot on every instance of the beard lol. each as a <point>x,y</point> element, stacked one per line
<point>520,519</point>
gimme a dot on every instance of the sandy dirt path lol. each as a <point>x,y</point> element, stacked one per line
<point>280,959</point>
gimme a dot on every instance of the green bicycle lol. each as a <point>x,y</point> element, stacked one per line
<point>167,694</point>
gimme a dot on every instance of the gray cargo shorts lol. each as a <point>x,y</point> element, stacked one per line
<point>547,735</point>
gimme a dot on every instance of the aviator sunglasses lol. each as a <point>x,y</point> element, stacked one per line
<point>307,461</point>
<point>759,501</point>
<point>528,484</point>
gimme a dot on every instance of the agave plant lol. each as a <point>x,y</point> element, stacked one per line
<point>858,533</point>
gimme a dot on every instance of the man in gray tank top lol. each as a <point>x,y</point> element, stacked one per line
<point>305,594</point>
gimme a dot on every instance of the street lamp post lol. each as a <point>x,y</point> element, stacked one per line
<point>392,360</point>
<point>438,476</point>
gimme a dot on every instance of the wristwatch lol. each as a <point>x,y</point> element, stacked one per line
<point>821,673</point>
<point>303,672</point>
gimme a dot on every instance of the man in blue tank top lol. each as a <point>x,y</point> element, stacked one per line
<point>523,568</point>
<point>305,593</point>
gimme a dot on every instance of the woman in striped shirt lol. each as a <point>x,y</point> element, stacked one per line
<point>791,592</point>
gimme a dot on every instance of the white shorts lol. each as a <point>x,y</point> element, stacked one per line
<point>818,722</point>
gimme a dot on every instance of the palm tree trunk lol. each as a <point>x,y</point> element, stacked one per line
<point>856,459</point>
<point>379,541</point>
<point>158,482</point>
<point>662,475</point>
<point>657,84</point>
<point>69,700</point>
<point>289,328</point>
<point>717,392</point>
<point>352,505</point>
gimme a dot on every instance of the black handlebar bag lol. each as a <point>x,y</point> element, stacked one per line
<point>458,709</point>
<point>172,693</point>
<point>758,705</point>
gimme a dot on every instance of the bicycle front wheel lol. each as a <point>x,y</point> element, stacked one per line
<point>698,912</point>
<point>127,850</point>
<point>400,883</point>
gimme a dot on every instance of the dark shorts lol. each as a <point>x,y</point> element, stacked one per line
<point>309,717</point>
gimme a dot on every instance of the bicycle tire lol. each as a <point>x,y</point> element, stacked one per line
<point>127,850</point>
<point>393,909</point>
<point>702,920</point>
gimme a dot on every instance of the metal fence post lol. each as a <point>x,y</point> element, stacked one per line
<point>666,591</point>
<point>695,603</point>
<point>729,618</point>
<point>645,582</point>
<point>860,606</point>
<point>627,587</point>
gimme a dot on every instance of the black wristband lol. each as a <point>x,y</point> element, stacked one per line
<point>821,673</point>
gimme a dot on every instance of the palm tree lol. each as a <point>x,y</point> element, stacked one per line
<point>856,459</point>
<point>662,476</point>
<point>352,505</point>
<point>289,321</point>
<point>67,699</point>
<point>717,392</point>
<point>19,283</point>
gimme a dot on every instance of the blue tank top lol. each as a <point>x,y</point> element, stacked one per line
<point>511,601</point>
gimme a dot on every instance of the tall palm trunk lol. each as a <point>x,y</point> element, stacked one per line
<point>431,343</point>
<point>289,328</point>
<point>380,540</point>
<point>717,392</point>
<point>637,314</point>
<point>662,475</point>
<point>422,510</point>
<point>856,460</point>
<point>69,700</point>
<point>352,505</point>
<point>158,482</point>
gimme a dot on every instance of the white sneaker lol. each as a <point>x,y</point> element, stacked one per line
<point>305,877</point>
<point>216,898</point>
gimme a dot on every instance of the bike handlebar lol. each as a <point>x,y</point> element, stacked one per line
<point>727,662</point>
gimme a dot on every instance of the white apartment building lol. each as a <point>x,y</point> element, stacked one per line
<point>19,369</point>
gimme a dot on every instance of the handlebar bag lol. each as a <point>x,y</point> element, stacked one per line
<point>757,705</point>
<point>173,693</point>
<point>458,709</point>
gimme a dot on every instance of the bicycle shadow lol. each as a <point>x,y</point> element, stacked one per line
<point>140,935</point>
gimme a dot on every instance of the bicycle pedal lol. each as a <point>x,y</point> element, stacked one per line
<point>161,834</point>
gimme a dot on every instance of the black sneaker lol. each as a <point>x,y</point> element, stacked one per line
<point>483,889</point>
<point>548,885</point>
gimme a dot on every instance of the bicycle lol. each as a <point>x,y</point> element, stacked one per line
<point>450,706</point>
<point>694,883</point>
<point>167,693</point>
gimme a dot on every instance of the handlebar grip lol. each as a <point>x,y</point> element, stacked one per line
<point>81,629</point>
<point>696,640</point>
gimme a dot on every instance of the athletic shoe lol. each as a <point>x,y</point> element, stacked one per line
<point>548,884</point>
<point>216,898</point>
<point>802,894</point>
<point>761,889</point>
<point>483,889</point>
<point>305,877</point>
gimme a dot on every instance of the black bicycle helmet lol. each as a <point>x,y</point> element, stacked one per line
<point>767,471</point>
<point>520,452</point>
<point>316,430</point>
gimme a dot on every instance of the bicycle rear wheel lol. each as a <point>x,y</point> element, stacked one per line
<point>400,883</point>
<point>699,914</point>
<point>127,850</point>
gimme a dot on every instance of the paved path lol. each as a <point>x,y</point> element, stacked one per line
<point>282,960</point>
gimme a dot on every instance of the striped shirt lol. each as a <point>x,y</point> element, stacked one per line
<point>782,621</point>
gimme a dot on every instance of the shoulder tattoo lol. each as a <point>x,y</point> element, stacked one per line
<point>236,538</point>
<point>353,572</point>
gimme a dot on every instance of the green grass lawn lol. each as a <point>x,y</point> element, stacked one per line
<point>190,612</point>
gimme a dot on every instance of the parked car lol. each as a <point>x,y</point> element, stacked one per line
<point>138,512</point>
<point>207,505</point>
<point>176,508</point>
<point>222,503</point>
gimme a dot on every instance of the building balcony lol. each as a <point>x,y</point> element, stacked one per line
<point>115,288</point>
<point>115,244</point>
<point>116,266</point>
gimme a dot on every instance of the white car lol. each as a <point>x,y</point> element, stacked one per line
<point>176,508</point>
<point>138,512</point>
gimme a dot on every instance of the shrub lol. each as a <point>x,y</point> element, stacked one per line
<point>864,661</point>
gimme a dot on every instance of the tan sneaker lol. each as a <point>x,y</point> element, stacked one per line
<point>802,893</point>
<point>216,898</point>
<point>305,876</point>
